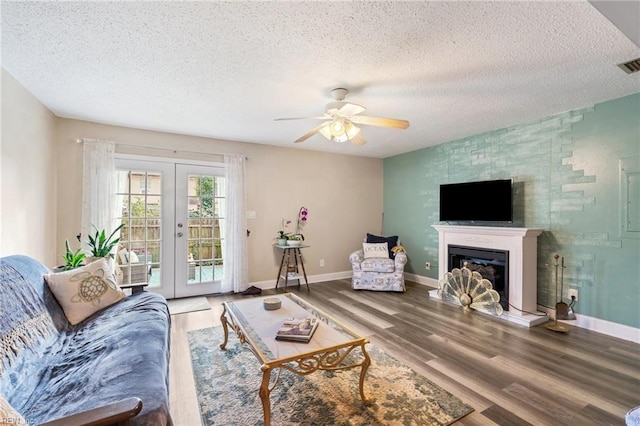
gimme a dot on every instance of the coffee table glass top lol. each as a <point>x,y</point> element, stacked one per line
<point>261,325</point>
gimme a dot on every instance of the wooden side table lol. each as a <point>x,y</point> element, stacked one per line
<point>291,259</point>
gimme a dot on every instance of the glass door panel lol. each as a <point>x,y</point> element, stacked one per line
<point>199,200</point>
<point>146,253</point>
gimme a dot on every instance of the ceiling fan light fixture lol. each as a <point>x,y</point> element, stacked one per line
<point>350,129</point>
<point>340,139</point>
<point>337,128</point>
<point>340,130</point>
<point>326,132</point>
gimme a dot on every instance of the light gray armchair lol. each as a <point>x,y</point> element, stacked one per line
<point>378,273</point>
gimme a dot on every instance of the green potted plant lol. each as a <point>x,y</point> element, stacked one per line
<point>295,239</point>
<point>72,259</point>
<point>101,245</point>
<point>282,238</point>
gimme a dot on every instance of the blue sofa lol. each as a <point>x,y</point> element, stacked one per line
<point>50,369</point>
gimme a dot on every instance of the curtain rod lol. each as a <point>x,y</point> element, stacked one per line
<point>81,140</point>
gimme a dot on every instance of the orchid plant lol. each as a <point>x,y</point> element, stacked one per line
<point>303,216</point>
<point>282,235</point>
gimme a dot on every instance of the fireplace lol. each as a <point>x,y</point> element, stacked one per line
<point>491,264</point>
<point>519,246</point>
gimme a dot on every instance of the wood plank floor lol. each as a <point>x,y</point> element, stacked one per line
<point>511,375</point>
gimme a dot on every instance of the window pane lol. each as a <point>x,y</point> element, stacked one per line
<point>205,205</point>
<point>153,206</point>
<point>137,207</point>
<point>139,196</point>
<point>154,183</point>
<point>138,182</point>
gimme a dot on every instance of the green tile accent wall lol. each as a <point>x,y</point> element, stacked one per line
<point>566,177</point>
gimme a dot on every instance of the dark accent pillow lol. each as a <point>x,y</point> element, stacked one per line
<point>391,242</point>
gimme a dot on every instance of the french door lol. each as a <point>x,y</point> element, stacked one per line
<point>173,226</point>
<point>200,206</point>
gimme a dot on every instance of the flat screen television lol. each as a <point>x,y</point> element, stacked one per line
<point>484,201</point>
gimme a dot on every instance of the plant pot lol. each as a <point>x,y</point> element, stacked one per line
<point>90,259</point>
<point>294,243</point>
<point>281,241</point>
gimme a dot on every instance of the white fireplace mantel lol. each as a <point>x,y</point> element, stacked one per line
<point>522,245</point>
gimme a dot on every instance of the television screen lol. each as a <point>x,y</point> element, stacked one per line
<point>485,201</point>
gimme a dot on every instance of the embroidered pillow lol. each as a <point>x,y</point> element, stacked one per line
<point>84,291</point>
<point>391,241</point>
<point>8,415</point>
<point>375,250</point>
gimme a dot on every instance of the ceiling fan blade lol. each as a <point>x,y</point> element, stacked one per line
<point>380,121</point>
<point>321,117</point>
<point>358,139</point>
<point>349,109</point>
<point>312,132</point>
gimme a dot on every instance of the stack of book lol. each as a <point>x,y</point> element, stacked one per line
<point>297,329</point>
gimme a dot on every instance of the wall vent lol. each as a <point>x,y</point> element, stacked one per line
<point>631,66</point>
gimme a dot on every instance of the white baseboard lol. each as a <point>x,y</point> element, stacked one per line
<point>270,284</point>
<point>609,328</point>
<point>429,282</point>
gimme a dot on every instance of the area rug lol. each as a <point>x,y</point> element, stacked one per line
<point>227,384</point>
<point>188,304</point>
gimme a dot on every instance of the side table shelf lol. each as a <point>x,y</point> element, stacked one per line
<point>291,261</point>
<point>135,287</point>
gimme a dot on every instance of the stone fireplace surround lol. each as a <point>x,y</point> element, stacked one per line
<point>522,245</point>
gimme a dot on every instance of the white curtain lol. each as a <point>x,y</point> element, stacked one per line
<point>98,188</point>
<point>236,263</point>
<point>122,188</point>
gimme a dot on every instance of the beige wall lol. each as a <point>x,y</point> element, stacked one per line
<point>343,193</point>
<point>41,181</point>
<point>28,178</point>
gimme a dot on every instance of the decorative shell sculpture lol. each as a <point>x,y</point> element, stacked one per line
<point>468,289</point>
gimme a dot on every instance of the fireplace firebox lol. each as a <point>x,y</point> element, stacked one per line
<point>491,264</point>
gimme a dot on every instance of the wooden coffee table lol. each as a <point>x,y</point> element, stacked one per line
<point>328,349</point>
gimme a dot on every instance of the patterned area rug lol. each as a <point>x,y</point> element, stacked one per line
<point>188,304</point>
<point>227,384</point>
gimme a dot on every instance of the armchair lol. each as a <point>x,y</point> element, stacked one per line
<point>135,269</point>
<point>378,273</point>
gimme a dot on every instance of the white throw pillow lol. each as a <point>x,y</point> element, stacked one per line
<point>127,257</point>
<point>84,291</point>
<point>375,250</point>
<point>123,255</point>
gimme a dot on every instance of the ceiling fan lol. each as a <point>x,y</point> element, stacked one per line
<point>341,118</point>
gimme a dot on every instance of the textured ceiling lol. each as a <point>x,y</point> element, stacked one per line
<point>225,70</point>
